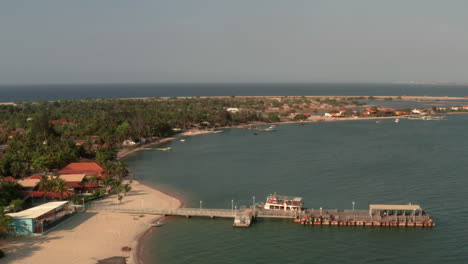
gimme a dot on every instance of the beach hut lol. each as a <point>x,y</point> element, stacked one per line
<point>37,220</point>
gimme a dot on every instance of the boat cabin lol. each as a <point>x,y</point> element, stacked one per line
<point>282,202</point>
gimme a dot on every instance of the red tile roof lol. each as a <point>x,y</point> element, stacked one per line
<point>90,185</point>
<point>35,176</point>
<point>73,185</point>
<point>47,194</point>
<point>9,178</point>
<point>88,168</point>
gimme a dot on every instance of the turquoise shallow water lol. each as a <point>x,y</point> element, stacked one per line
<point>330,164</point>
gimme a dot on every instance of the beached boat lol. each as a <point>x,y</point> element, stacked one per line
<point>156,224</point>
<point>164,149</point>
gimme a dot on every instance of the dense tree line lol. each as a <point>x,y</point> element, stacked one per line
<point>43,136</point>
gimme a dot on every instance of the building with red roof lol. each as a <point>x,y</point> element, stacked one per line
<point>87,168</point>
<point>8,178</point>
<point>35,176</point>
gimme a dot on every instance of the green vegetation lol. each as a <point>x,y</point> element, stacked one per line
<point>300,117</point>
<point>17,205</point>
<point>46,136</point>
<point>6,223</point>
<point>9,191</point>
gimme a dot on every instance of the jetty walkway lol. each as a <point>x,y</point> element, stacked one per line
<point>377,215</point>
<point>242,217</point>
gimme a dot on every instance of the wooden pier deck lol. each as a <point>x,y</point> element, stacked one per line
<point>243,217</point>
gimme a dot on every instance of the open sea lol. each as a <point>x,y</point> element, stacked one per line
<point>330,164</point>
<point>16,93</point>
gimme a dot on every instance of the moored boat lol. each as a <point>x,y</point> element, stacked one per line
<point>283,202</point>
<point>164,149</point>
<point>156,224</point>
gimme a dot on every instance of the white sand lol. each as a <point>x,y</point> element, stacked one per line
<point>92,235</point>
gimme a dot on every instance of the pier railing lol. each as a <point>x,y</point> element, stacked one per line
<point>177,211</point>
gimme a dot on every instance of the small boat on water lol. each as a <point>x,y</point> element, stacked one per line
<point>182,140</point>
<point>397,120</point>
<point>164,149</point>
<point>156,224</point>
<point>268,129</point>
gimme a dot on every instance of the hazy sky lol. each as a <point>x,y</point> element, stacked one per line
<point>88,41</point>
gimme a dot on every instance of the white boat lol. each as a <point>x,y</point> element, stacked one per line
<point>164,149</point>
<point>268,129</point>
<point>156,224</point>
<point>397,120</point>
<point>283,203</point>
<point>182,140</point>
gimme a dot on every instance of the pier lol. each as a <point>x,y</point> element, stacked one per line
<point>377,215</point>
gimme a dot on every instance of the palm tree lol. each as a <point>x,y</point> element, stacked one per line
<point>17,204</point>
<point>59,187</point>
<point>126,189</point>
<point>45,184</point>
<point>93,179</point>
<point>121,169</point>
<point>108,182</point>
<point>117,186</point>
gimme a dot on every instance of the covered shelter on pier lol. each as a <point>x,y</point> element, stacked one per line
<point>394,209</point>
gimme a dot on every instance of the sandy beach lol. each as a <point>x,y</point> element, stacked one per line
<point>92,235</point>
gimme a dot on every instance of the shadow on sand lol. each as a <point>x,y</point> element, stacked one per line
<point>17,248</point>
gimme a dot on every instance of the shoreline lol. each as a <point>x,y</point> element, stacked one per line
<point>93,234</point>
<point>366,97</point>
<point>136,236</point>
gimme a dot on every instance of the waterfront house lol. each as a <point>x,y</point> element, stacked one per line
<point>39,219</point>
<point>465,107</point>
<point>399,113</point>
<point>29,184</point>
<point>232,109</point>
<point>78,183</point>
<point>370,112</point>
<point>129,142</point>
<point>8,178</point>
<point>87,168</point>
<point>388,112</point>
<point>455,108</point>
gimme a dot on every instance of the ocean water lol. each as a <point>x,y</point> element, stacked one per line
<point>330,164</point>
<point>16,93</point>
